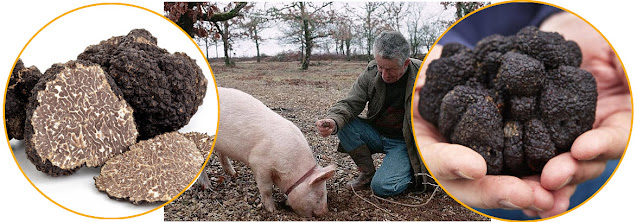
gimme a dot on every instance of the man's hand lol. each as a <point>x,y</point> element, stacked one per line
<point>325,127</point>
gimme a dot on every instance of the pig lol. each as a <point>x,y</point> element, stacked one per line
<point>276,151</point>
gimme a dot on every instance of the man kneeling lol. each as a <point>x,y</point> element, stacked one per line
<point>385,87</point>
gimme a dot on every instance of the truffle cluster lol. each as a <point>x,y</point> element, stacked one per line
<point>164,89</point>
<point>517,100</point>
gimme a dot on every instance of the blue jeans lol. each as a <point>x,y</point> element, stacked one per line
<point>394,174</point>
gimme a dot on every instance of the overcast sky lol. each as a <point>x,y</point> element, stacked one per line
<point>271,46</point>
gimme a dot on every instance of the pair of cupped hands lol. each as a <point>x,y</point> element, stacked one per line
<point>462,171</point>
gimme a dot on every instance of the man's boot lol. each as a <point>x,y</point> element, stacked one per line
<point>363,159</point>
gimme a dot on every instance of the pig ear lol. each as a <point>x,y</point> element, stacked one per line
<point>323,174</point>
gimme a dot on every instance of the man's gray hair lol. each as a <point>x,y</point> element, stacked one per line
<point>392,45</point>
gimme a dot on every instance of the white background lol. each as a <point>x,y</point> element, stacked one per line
<point>22,19</point>
<point>62,41</point>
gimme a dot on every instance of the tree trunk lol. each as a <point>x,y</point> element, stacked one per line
<point>256,42</point>
<point>308,45</point>
<point>307,38</point>
<point>347,46</point>
<point>226,43</point>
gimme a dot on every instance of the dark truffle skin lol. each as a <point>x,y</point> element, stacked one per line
<point>548,47</point>
<point>442,75</point>
<point>514,159</point>
<point>538,147</point>
<point>76,117</point>
<point>520,74</point>
<point>164,89</point>
<point>517,100</point>
<point>21,82</point>
<point>568,105</point>
<point>452,49</point>
<point>468,116</point>
<point>523,108</point>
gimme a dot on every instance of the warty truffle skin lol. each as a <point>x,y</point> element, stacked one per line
<point>517,100</point>
<point>19,88</point>
<point>164,89</point>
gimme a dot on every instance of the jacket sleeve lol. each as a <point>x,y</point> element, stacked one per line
<point>354,103</point>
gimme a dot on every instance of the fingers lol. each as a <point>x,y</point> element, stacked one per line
<point>542,198</point>
<point>562,200</point>
<point>563,170</point>
<point>450,161</point>
<point>492,192</point>
<point>608,141</point>
<point>325,127</point>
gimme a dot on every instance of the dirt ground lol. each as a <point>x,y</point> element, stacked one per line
<point>303,97</point>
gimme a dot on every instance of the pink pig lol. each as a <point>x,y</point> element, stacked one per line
<point>276,151</point>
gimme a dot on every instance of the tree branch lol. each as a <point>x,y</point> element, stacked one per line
<point>225,16</point>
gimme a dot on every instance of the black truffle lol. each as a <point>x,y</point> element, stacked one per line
<point>517,100</point>
<point>19,88</point>
<point>469,116</point>
<point>164,89</point>
<point>76,116</point>
<point>153,171</point>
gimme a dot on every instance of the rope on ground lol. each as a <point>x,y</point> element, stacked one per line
<point>383,209</point>
<point>437,187</point>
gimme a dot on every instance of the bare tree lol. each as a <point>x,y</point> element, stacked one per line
<point>394,13</point>
<point>306,21</point>
<point>195,19</point>
<point>464,8</point>
<point>372,25</point>
<point>255,22</point>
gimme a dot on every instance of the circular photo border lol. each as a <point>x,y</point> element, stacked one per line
<point>215,91</point>
<point>421,80</point>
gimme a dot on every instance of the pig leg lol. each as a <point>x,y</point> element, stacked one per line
<point>204,181</point>
<point>226,165</point>
<point>264,183</point>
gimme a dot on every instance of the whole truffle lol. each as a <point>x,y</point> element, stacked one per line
<point>76,116</point>
<point>19,88</point>
<point>517,100</point>
<point>164,89</point>
<point>154,170</point>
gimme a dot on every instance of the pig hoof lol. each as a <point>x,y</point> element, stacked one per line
<point>269,207</point>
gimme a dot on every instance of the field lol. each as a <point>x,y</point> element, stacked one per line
<point>303,97</point>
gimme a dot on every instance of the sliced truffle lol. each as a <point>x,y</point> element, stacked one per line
<point>19,88</point>
<point>203,141</point>
<point>164,89</point>
<point>154,170</point>
<point>75,117</point>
